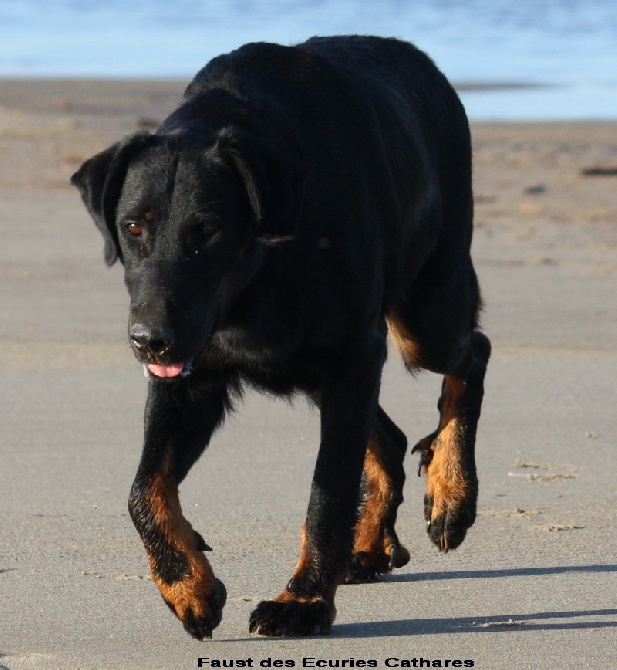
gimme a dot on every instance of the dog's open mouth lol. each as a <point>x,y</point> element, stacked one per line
<point>183,369</point>
<point>169,371</point>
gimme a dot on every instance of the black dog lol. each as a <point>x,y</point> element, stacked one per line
<point>301,202</point>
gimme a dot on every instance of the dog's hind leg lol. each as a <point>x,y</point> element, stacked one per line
<point>377,549</point>
<point>178,425</point>
<point>448,454</point>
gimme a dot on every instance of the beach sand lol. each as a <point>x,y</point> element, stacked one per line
<point>518,594</point>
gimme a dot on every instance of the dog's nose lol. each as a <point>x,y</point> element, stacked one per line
<point>154,340</point>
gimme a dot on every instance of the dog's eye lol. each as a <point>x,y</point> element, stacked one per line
<point>209,232</point>
<point>134,228</point>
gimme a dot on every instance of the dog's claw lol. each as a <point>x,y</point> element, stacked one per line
<point>423,447</point>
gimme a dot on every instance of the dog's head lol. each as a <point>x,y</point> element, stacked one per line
<point>191,220</point>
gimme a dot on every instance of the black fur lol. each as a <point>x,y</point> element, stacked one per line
<point>296,198</point>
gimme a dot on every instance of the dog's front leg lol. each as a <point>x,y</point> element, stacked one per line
<point>348,402</point>
<point>179,421</point>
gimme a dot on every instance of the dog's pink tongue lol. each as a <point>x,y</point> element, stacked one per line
<point>165,370</point>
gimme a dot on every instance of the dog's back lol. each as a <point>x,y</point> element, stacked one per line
<point>400,168</point>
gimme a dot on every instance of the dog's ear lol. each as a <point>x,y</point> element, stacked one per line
<point>273,180</point>
<point>100,181</point>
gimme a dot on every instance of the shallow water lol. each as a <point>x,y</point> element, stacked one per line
<point>569,45</point>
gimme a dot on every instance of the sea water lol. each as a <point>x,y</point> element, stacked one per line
<point>557,57</point>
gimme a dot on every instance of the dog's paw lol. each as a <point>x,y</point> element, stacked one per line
<point>448,517</point>
<point>199,615</point>
<point>363,569</point>
<point>366,567</point>
<point>291,618</point>
<point>451,492</point>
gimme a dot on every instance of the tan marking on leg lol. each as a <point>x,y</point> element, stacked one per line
<point>303,563</point>
<point>403,340</point>
<point>191,592</point>
<point>447,483</point>
<point>370,537</point>
<point>369,533</point>
<point>286,597</point>
<point>452,393</point>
